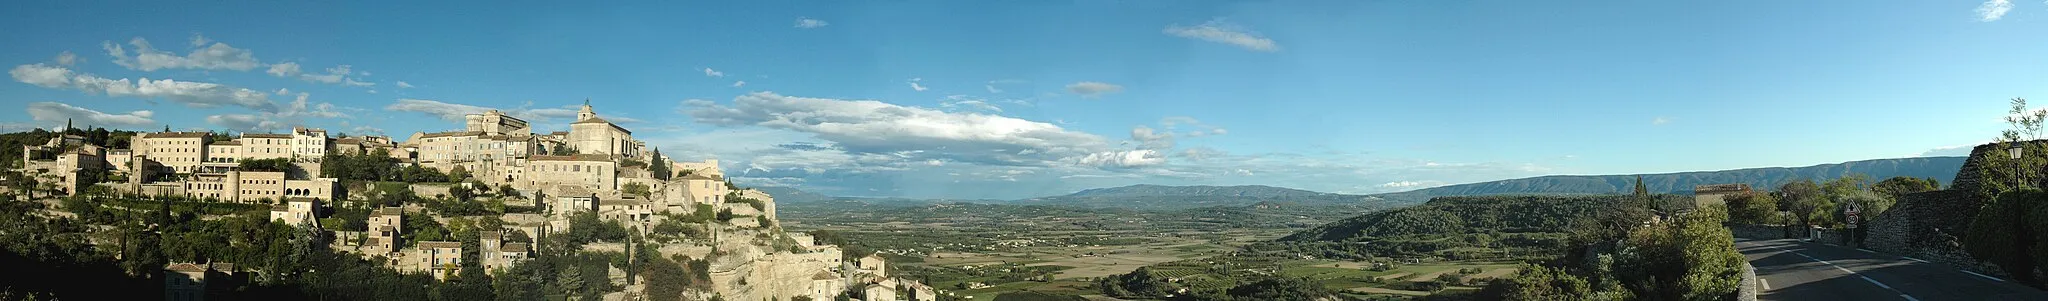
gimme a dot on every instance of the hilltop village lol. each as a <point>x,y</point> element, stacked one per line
<point>678,209</point>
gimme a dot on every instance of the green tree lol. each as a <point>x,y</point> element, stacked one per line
<point>2008,233</point>
<point>1545,283</point>
<point>273,164</point>
<point>1803,198</point>
<point>1752,208</point>
<point>660,167</point>
<point>1902,185</point>
<point>637,188</point>
<point>1641,191</point>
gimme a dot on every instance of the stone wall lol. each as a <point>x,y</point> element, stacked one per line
<point>1748,289</point>
<point>1935,219</point>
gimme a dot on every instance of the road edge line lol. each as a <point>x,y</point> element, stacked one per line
<point>1983,275</point>
<point>1914,259</point>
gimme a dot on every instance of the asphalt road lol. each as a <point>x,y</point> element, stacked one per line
<point>1793,270</point>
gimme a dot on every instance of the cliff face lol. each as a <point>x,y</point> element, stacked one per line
<point>752,270</point>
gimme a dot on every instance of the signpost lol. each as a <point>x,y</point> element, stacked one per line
<point>1852,211</point>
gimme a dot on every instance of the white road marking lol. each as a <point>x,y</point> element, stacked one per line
<point>1914,259</point>
<point>1874,281</point>
<point>1858,275</point>
<point>1866,250</point>
<point>1765,282</point>
<point>1985,276</point>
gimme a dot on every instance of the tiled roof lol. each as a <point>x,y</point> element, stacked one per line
<point>576,157</point>
<point>439,244</point>
<point>617,202</point>
<point>265,135</point>
<point>228,143</point>
<point>185,267</point>
<point>823,275</point>
<point>280,208</point>
<point>451,134</point>
<point>514,247</point>
<point>179,135</point>
<point>392,211</point>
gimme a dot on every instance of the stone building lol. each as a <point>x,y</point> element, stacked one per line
<point>265,146</point>
<point>309,143</point>
<point>493,122</point>
<point>920,292</point>
<point>593,135</point>
<point>1707,195</point>
<point>295,211</point>
<point>701,189</point>
<point>878,292</point>
<point>181,152</point>
<point>185,281</point>
<point>634,213</point>
<point>384,227</point>
<point>874,264</point>
<point>497,254</point>
<point>438,258</point>
<point>258,186</point>
<point>71,165</point>
<point>553,174</point>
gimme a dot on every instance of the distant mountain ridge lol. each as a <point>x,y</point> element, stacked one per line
<point>1163,190</point>
<point>1148,196</point>
<point>1939,168</point>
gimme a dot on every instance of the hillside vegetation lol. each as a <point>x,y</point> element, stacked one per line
<point>1447,216</point>
<point>1942,169</point>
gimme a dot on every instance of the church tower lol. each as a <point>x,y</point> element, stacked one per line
<point>585,114</point>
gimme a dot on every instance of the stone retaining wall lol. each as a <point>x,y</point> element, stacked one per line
<point>1748,290</point>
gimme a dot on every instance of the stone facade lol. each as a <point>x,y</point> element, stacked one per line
<point>181,152</point>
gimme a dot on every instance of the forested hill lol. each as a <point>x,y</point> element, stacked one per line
<point>1163,190</point>
<point>1462,215</point>
<point>1939,168</point>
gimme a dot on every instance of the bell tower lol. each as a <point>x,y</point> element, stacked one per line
<point>585,114</point>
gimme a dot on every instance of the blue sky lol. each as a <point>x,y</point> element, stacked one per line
<point>1010,99</point>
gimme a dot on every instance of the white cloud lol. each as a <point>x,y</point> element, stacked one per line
<point>285,69</point>
<point>915,86</point>
<point>372,91</point>
<point>1660,121</point>
<point>52,112</point>
<point>1093,89</point>
<point>1951,151</point>
<point>713,73</point>
<point>1993,10</point>
<point>810,23</point>
<point>1224,32</point>
<point>404,85</point>
<point>336,75</point>
<point>195,94</point>
<point>301,107</point>
<point>454,111</point>
<point>367,130</point>
<point>737,84</point>
<point>1148,138</point>
<point>962,102</point>
<point>447,111</point>
<point>246,122</point>
<point>874,127</point>
<point>217,56</point>
<point>67,58</point>
<point>1123,159</point>
<point>992,88</point>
